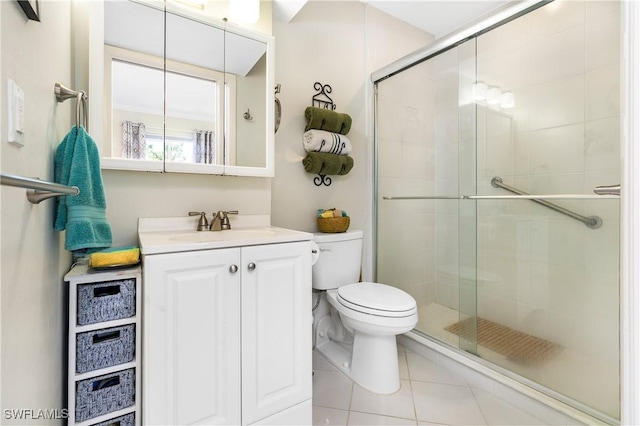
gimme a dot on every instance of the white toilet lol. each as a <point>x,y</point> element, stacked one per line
<point>356,324</point>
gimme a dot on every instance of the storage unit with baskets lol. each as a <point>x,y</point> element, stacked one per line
<point>104,346</point>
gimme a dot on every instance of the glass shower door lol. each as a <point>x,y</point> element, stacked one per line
<point>425,235</point>
<point>488,154</point>
<point>547,120</point>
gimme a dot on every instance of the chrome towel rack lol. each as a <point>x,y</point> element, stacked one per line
<point>593,222</point>
<point>41,190</point>
<point>63,93</point>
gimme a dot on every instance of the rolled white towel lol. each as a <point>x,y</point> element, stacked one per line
<point>323,141</point>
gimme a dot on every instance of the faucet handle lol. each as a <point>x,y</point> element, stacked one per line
<point>224,219</point>
<point>203,225</point>
<point>223,214</point>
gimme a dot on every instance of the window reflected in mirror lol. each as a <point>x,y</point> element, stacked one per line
<point>191,119</point>
<point>165,116</point>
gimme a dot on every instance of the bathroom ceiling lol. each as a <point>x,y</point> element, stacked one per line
<point>438,17</point>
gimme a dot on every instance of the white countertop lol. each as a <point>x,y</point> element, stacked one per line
<point>170,235</point>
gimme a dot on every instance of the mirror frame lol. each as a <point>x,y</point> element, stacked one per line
<point>98,116</point>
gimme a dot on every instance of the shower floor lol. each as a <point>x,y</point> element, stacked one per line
<point>519,347</point>
<point>568,372</point>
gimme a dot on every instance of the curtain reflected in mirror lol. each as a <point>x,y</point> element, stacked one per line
<point>204,148</point>
<point>134,142</point>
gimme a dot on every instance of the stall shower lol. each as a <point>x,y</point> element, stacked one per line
<point>469,133</point>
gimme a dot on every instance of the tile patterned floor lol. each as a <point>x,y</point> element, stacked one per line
<point>429,395</point>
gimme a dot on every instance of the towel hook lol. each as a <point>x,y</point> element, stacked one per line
<point>278,110</point>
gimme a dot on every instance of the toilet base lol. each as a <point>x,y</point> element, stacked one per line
<point>375,363</point>
<point>375,368</point>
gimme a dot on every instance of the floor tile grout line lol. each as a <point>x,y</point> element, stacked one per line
<point>465,383</point>
<point>475,399</point>
<point>331,408</point>
<point>350,400</point>
<point>413,400</point>
<point>381,415</point>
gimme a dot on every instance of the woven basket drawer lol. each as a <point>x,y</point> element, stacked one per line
<point>126,420</point>
<point>104,348</point>
<point>105,394</point>
<point>106,301</point>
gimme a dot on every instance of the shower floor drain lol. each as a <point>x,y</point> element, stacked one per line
<point>518,347</point>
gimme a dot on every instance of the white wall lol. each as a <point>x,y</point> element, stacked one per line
<point>1,130</point>
<point>35,55</point>
<point>337,43</point>
<point>131,195</point>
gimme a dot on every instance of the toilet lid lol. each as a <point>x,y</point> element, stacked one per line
<point>377,299</point>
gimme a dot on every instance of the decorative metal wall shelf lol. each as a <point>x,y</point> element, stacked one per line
<point>322,100</point>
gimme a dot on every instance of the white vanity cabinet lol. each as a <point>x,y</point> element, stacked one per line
<point>191,338</point>
<point>227,335</point>
<point>276,329</point>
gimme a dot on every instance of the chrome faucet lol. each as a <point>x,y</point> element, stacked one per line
<point>221,220</point>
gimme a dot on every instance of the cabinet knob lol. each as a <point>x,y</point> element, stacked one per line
<point>233,269</point>
<point>251,266</point>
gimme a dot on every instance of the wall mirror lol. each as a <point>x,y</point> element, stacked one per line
<point>181,92</point>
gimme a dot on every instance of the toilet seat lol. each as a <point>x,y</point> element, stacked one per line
<point>376,299</point>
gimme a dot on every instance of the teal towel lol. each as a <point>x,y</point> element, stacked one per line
<point>77,163</point>
<point>324,119</point>
<point>324,164</point>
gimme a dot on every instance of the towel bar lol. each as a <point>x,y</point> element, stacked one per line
<point>42,190</point>
<point>593,222</point>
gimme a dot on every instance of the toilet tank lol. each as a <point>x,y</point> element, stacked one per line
<point>339,260</point>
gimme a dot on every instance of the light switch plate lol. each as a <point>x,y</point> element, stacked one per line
<point>15,108</point>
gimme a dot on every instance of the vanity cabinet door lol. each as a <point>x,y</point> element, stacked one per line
<point>191,367</point>
<point>276,329</point>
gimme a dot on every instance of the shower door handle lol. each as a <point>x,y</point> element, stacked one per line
<point>607,190</point>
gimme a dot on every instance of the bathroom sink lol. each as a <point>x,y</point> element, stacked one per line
<point>229,234</point>
<point>170,235</point>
